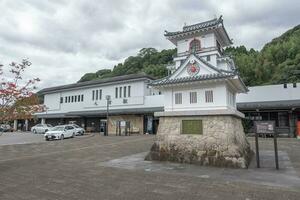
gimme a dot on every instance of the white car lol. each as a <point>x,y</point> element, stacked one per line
<point>41,128</point>
<point>79,130</point>
<point>60,132</point>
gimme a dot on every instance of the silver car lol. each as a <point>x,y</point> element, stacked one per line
<point>41,128</point>
<point>60,132</point>
<point>78,129</point>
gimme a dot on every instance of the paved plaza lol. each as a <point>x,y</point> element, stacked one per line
<point>98,167</point>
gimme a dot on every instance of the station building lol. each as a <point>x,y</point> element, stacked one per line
<point>85,103</point>
<point>134,99</point>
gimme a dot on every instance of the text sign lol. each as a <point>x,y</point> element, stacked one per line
<point>267,127</point>
<point>191,127</point>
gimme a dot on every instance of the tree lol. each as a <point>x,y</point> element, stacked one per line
<point>16,95</point>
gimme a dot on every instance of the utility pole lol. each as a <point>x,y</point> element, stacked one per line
<point>108,101</point>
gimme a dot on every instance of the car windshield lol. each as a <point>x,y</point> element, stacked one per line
<point>58,128</point>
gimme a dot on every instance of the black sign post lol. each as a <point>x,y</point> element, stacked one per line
<point>257,150</point>
<point>265,127</point>
<point>276,151</point>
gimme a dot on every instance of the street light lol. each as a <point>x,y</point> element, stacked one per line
<point>108,101</point>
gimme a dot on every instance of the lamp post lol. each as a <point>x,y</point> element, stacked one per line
<point>108,101</point>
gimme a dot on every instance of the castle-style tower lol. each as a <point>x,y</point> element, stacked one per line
<point>202,77</point>
<point>206,40</point>
<point>200,123</point>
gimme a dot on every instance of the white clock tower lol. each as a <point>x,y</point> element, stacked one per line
<point>199,99</point>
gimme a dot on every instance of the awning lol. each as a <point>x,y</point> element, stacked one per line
<point>99,113</point>
<point>285,104</point>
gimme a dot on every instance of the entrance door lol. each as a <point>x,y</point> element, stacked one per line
<point>103,126</point>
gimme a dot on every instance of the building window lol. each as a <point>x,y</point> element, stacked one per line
<point>208,58</point>
<point>283,119</point>
<point>100,94</point>
<point>93,97</point>
<point>61,99</point>
<point>82,97</point>
<point>209,96</point>
<point>120,91</point>
<point>75,98</point>
<point>195,45</point>
<point>66,99</point>
<point>193,97</point>
<point>178,98</point>
<point>69,99</point>
<point>129,91</point>
<point>284,85</point>
<point>78,97</point>
<point>294,85</point>
<point>125,91</point>
<point>116,94</point>
<point>72,99</point>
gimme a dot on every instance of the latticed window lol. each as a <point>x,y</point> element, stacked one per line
<point>195,45</point>
<point>193,97</point>
<point>178,98</point>
<point>209,96</point>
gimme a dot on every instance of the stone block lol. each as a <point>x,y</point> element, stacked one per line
<point>223,142</point>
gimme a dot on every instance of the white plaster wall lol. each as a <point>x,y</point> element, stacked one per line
<point>270,93</point>
<point>52,102</point>
<point>219,97</point>
<point>140,97</point>
<point>207,40</point>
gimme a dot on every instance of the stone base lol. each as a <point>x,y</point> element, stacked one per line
<point>223,142</point>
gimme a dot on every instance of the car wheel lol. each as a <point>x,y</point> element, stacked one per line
<point>47,139</point>
<point>34,131</point>
<point>62,137</point>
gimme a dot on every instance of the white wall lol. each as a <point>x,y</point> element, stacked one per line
<point>219,97</point>
<point>270,93</point>
<point>140,97</point>
<point>207,40</point>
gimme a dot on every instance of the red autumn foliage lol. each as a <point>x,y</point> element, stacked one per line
<point>16,94</point>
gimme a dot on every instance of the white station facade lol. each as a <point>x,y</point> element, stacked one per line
<point>201,79</point>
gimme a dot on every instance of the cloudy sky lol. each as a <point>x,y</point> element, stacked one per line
<point>66,38</point>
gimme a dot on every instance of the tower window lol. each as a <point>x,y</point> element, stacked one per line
<point>178,98</point>
<point>284,85</point>
<point>209,97</point>
<point>195,45</point>
<point>193,97</point>
<point>208,58</point>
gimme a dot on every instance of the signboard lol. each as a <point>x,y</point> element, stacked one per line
<point>191,127</point>
<point>265,127</point>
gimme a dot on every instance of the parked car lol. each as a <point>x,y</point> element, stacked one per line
<point>5,128</point>
<point>60,132</point>
<point>79,130</point>
<point>41,128</point>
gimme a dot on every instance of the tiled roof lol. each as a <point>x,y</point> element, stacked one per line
<point>97,82</point>
<point>167,80</point>
<point>199,26</point>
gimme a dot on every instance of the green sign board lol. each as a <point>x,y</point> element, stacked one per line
<point>192,127</point>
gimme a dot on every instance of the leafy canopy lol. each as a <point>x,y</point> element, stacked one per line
<point>277,62</point>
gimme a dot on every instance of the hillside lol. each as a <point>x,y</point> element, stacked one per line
<point>277,62</point>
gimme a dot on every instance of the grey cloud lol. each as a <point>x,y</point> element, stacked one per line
<point>82,36</point>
